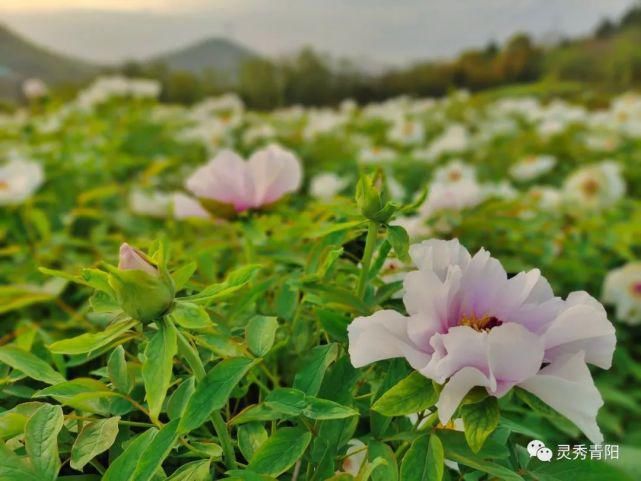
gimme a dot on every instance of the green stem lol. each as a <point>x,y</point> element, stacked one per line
<point>370,243</point>
<point>193,359</point>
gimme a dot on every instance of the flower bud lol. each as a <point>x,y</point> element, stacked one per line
<point>144,291</point>
<point>372,198</point>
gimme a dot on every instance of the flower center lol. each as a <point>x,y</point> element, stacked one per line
<point>484,323</point>
<point>635,289</point>
<point>455,175</point>
<point>590,187</point>
<point>4,185</point>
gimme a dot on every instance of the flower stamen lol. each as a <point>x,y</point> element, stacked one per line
<point>484,323</point>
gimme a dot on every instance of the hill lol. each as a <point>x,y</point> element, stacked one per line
<point>21,59</point>
<point>217,53</point>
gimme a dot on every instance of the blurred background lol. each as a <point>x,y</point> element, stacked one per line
<point>318,53</point>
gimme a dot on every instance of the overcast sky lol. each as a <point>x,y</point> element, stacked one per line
<point>384,31</point>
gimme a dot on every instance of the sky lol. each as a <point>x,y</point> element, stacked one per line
<point>388,32</point>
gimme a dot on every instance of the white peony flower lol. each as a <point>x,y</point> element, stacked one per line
<point>19,179</point>
<point>532,167</point>
<point>622,288</point>
<point>327,185</point>
<point>594,187</point>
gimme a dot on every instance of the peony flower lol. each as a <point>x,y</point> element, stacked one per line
<point>227,179</point>
<point>469,325</point>
<point>454,196</point>
<point>454,171</point>
<point>455,138</point>
<point>594,187</point>
<point>356,455</point>
<point>406,132</point>
<point>622,288</point>
<point>376,155</point>
<point>19,179</point>
<point>532,167</point>
<point>186,207</point>
<point>327,185</point>
<point>34,88</point>
<point>152,204</point>
<point>545,198</point>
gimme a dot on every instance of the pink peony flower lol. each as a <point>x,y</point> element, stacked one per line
<point>470,325</point>
<point>267,176</point>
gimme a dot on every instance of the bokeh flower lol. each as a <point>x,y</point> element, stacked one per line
<point>19,179</point>
<point>622,288</point>
<point>227,179</point>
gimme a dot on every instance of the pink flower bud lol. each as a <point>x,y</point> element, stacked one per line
<point>132,260</point>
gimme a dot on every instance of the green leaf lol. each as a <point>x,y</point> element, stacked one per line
<point>413,394</point>
<point>178,400</point>
<point>190,316</point>
<point>182,275</point>
<point>251,436</point>
<point>123,467</point>
<point>84,394</point>
<point>260,334</point>
<point>399,239</point>
<point>92,341</point>
<point>158,364</point>
<point>29,365</point>
<point>323,409</point>
<point>280,451</point>
<point>194,471</point>
<point>14,468</point>
<point>95,438</point>
<point>213,391</point>
<point>288,401</point>
<point>480,420</point>
<point>583,470</point>
<point>424,460</point>
<point>218,292</point>
<point>41,441</point>
<point>310,377</point>
<point>118,371</point>
<point>12,424</point>
<point>156,452</point>
<point>387,471</point>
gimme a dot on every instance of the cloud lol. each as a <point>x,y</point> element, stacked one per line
<point>394,32</point>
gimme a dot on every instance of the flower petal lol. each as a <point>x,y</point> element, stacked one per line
<point>581,326</point>
<point>567,386</point>
<point>383,335</point>
<point>456,389</point>
<point>438,255</point>
<point>275,172</point>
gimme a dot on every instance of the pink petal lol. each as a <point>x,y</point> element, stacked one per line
<point>438,255</point>
<point>514,354</point>
<point>456,389</point>
<point>383,335</point>
<point>225,179</point>
<point>567,386</point>
<point>131,260</point>
<point>581,326</point>
<point>275,172</point>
